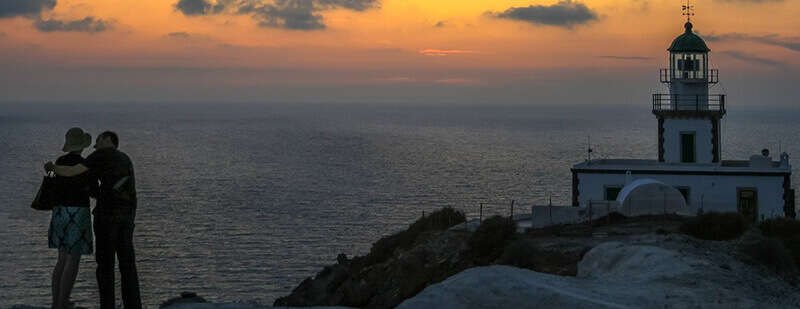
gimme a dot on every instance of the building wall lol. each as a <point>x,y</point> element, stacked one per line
<point>707,192</point>
<point>672,139</point>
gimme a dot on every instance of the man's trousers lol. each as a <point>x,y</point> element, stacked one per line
<point>114,237</point>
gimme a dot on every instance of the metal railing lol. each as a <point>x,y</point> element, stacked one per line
<point>668,76</point>
<point>688,102</point>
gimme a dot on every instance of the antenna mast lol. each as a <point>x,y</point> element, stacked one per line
<point>589,150</point>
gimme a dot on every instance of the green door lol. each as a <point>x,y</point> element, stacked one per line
<point>748,203</point>
<point>687,148</point>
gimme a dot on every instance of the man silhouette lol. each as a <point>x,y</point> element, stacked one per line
<point>114,217</point>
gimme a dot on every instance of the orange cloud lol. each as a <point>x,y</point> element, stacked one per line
<point>398,79</point>
<point>445,52</point>
<point>456,81</point>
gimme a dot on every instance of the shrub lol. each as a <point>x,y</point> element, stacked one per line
<point>793,247</point>
<point>491,237</point>
<point>438,220</point>
<point>613,217</point>
<point>441,219</point>
<point>715,226</point>
<point>772,253</point>
<point>524,253</point>
<point>383,249</point>
<point>787,231</point>
<point>780,227</point>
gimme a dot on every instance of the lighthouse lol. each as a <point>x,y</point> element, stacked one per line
<point>688,116</point>
<point>689,174</point>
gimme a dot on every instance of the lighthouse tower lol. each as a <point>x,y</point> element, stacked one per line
<point>689,117</point>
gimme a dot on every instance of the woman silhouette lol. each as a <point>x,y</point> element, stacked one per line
<point>71,225</point>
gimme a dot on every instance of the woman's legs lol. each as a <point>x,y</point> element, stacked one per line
<point>68,279</point>
<point>56,281</point>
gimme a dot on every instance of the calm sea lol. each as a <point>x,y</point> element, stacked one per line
<point>240,203</point>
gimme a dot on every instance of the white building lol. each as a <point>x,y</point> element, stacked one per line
<point>689,149</point>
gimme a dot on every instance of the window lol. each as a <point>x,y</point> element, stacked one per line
<point>688,147</point>
<point>611,192</point>
<point>688,65</point>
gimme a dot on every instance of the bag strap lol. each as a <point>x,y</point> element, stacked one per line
<point>121,182</point>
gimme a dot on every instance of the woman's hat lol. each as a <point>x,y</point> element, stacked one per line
<point>76,140</point>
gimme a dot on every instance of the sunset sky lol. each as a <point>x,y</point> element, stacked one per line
<point>474,51</point>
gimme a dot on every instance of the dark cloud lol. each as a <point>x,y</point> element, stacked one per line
<point>246,8</point>
<point>2,34</point>
<point>625,57</point>
<point>27,8</point>
<point>565,13</point>
<point>88,24</point>
<point>289,14</point>
<point>232,46</point>
<point>384,50</point>
<point>754,59</point>
<point>440,24</point>
<point>193,7</point>
<point>770,39</point>
<point>284,14</point>
<point>33,9</point>
<point>180,34</point>
<point>355,5</point>
<point>222,5</point>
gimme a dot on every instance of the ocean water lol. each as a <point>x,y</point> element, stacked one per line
<point>240,203</point>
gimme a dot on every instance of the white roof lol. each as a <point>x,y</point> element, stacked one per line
<point>654,165</point>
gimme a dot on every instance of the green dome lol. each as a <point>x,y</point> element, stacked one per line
<point>688,42</point>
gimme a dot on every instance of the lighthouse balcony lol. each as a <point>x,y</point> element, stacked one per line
<point>709,76</point>
<point>712,105</point>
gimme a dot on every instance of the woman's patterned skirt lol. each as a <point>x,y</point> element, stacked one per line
<point>71,230</point>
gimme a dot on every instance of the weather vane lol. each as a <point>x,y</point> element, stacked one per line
<point>688,11</point>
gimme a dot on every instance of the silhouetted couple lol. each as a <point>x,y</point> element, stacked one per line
<point>71,228</point>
